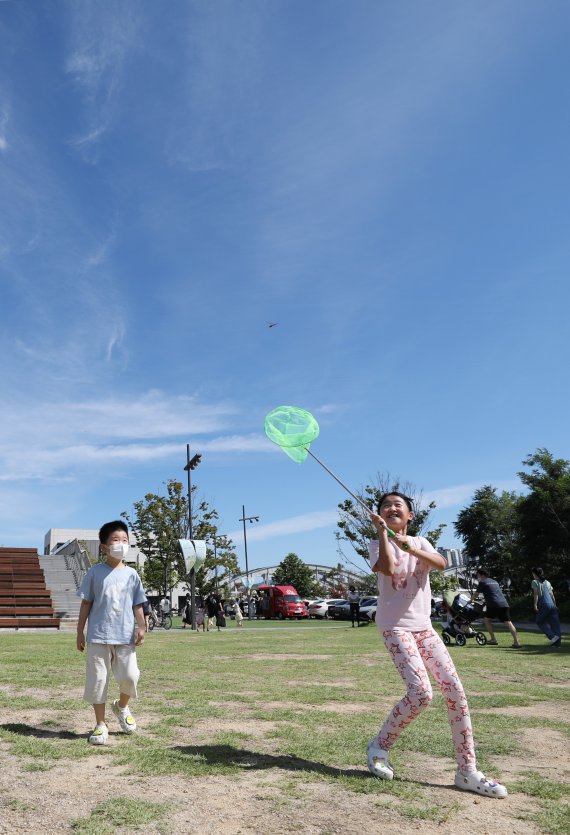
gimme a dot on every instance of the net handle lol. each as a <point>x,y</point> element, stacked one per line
<point>365,507</point>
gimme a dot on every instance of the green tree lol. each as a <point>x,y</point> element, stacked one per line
<point>355,528</point>
<point>158,522</point>
<point>544,516</point>
<point>292,571</point>
<point>489,528</point>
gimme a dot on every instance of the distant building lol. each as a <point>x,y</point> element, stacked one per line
<point>454,556</point>
<point>56,537</point>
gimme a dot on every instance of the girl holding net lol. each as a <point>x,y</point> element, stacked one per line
<point>403,564</point>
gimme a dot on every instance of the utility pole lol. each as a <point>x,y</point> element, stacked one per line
<point>251,520</point>
<point>191,464</point>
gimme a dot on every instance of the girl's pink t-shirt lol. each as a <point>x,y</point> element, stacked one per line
<point>404,600</point>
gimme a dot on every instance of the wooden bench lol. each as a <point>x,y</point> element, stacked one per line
<point>24,599</point>
<point>24,588</point>
<point>8,600</point>
<point>22,623</point>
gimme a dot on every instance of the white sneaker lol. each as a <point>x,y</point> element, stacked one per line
<point>378,763</point>
<point>126,719</point>
<point>99,735</point>
<point>475,781</point>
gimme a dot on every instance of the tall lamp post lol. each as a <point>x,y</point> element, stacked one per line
<point>251,520</point>
<point>215,544</point>
<point>191,464</point>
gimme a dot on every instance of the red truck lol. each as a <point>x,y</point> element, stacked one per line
<point>281,602</point>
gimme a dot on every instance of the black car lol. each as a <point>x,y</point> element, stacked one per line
<point>341,611</point>
<point>337,607</point>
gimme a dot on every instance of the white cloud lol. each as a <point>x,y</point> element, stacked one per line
<point>285,527</point>
<point>239,443</point>
<point>460,494</point>
<point>100,44</point>
<point>59,440</point>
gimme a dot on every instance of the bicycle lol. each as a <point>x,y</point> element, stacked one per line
<point>161,620</point>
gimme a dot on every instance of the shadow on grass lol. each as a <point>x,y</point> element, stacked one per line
<point>39,733</point>
<point>533,649</point>
<point>257,761</point>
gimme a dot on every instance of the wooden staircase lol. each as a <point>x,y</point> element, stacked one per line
<point>25,602</point>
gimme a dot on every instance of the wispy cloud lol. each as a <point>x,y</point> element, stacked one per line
<point>62,439</point>
<point>286,527</point>
<point>239,443</point>
<point>100,42</point>
<point>215,88</point>
<point>459,494</point>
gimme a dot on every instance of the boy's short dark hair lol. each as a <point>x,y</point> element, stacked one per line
<point>482,572</point>
<point>110,527</point>
<point>403,496</point>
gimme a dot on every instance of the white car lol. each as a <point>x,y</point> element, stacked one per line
<point>369,609</point>
<point>320,608</point>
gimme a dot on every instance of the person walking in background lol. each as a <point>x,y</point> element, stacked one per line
<point>496,606</point>
<point>212,606</point>
<point>147,608</point>
<point>252,610</point>
<point>547,617</point>
<point>220,614</point>
<point>238,613</point>
<point>354,603</point>
<point>201,616</point>
<point>186,612</point>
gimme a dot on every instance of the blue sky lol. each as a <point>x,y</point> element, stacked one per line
<point>387,181</point>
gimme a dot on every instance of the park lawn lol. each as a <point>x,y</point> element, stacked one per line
<point>303,697</point>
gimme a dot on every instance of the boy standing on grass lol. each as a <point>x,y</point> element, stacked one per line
<point>112,597</point>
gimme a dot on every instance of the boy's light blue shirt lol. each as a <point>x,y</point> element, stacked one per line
<point>113,593</point>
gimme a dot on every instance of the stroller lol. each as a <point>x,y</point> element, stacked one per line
<point>461,614</point>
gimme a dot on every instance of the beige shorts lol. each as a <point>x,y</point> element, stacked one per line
<point>104,659</point>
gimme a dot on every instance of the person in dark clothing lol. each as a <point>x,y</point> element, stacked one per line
<point>212,609</point>
<point>547,617</point>
<point>354,603</point>
<point>497,606</point>
<point>187,612</point>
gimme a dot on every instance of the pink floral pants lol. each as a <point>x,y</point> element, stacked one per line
<point>414,653</point>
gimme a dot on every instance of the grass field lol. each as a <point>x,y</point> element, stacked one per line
<point>299,701</point>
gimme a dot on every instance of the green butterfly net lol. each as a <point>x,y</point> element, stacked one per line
<point>292,429</point>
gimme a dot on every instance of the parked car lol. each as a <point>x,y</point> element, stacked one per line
<point>342,610</point>
<point>311,602</point>
<point>368,601</point>
<point>320,608</point>
<point>438,607</point>
<point>334,606</point>
<point>281,602</point>
<point>368,608</point>
<point>370,612</point>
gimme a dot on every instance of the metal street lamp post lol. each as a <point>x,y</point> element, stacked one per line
<point>191,464</point>
<point>215,543</point>
<point>245,519</point>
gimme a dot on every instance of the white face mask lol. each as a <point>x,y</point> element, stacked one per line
<point>119,550</point>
